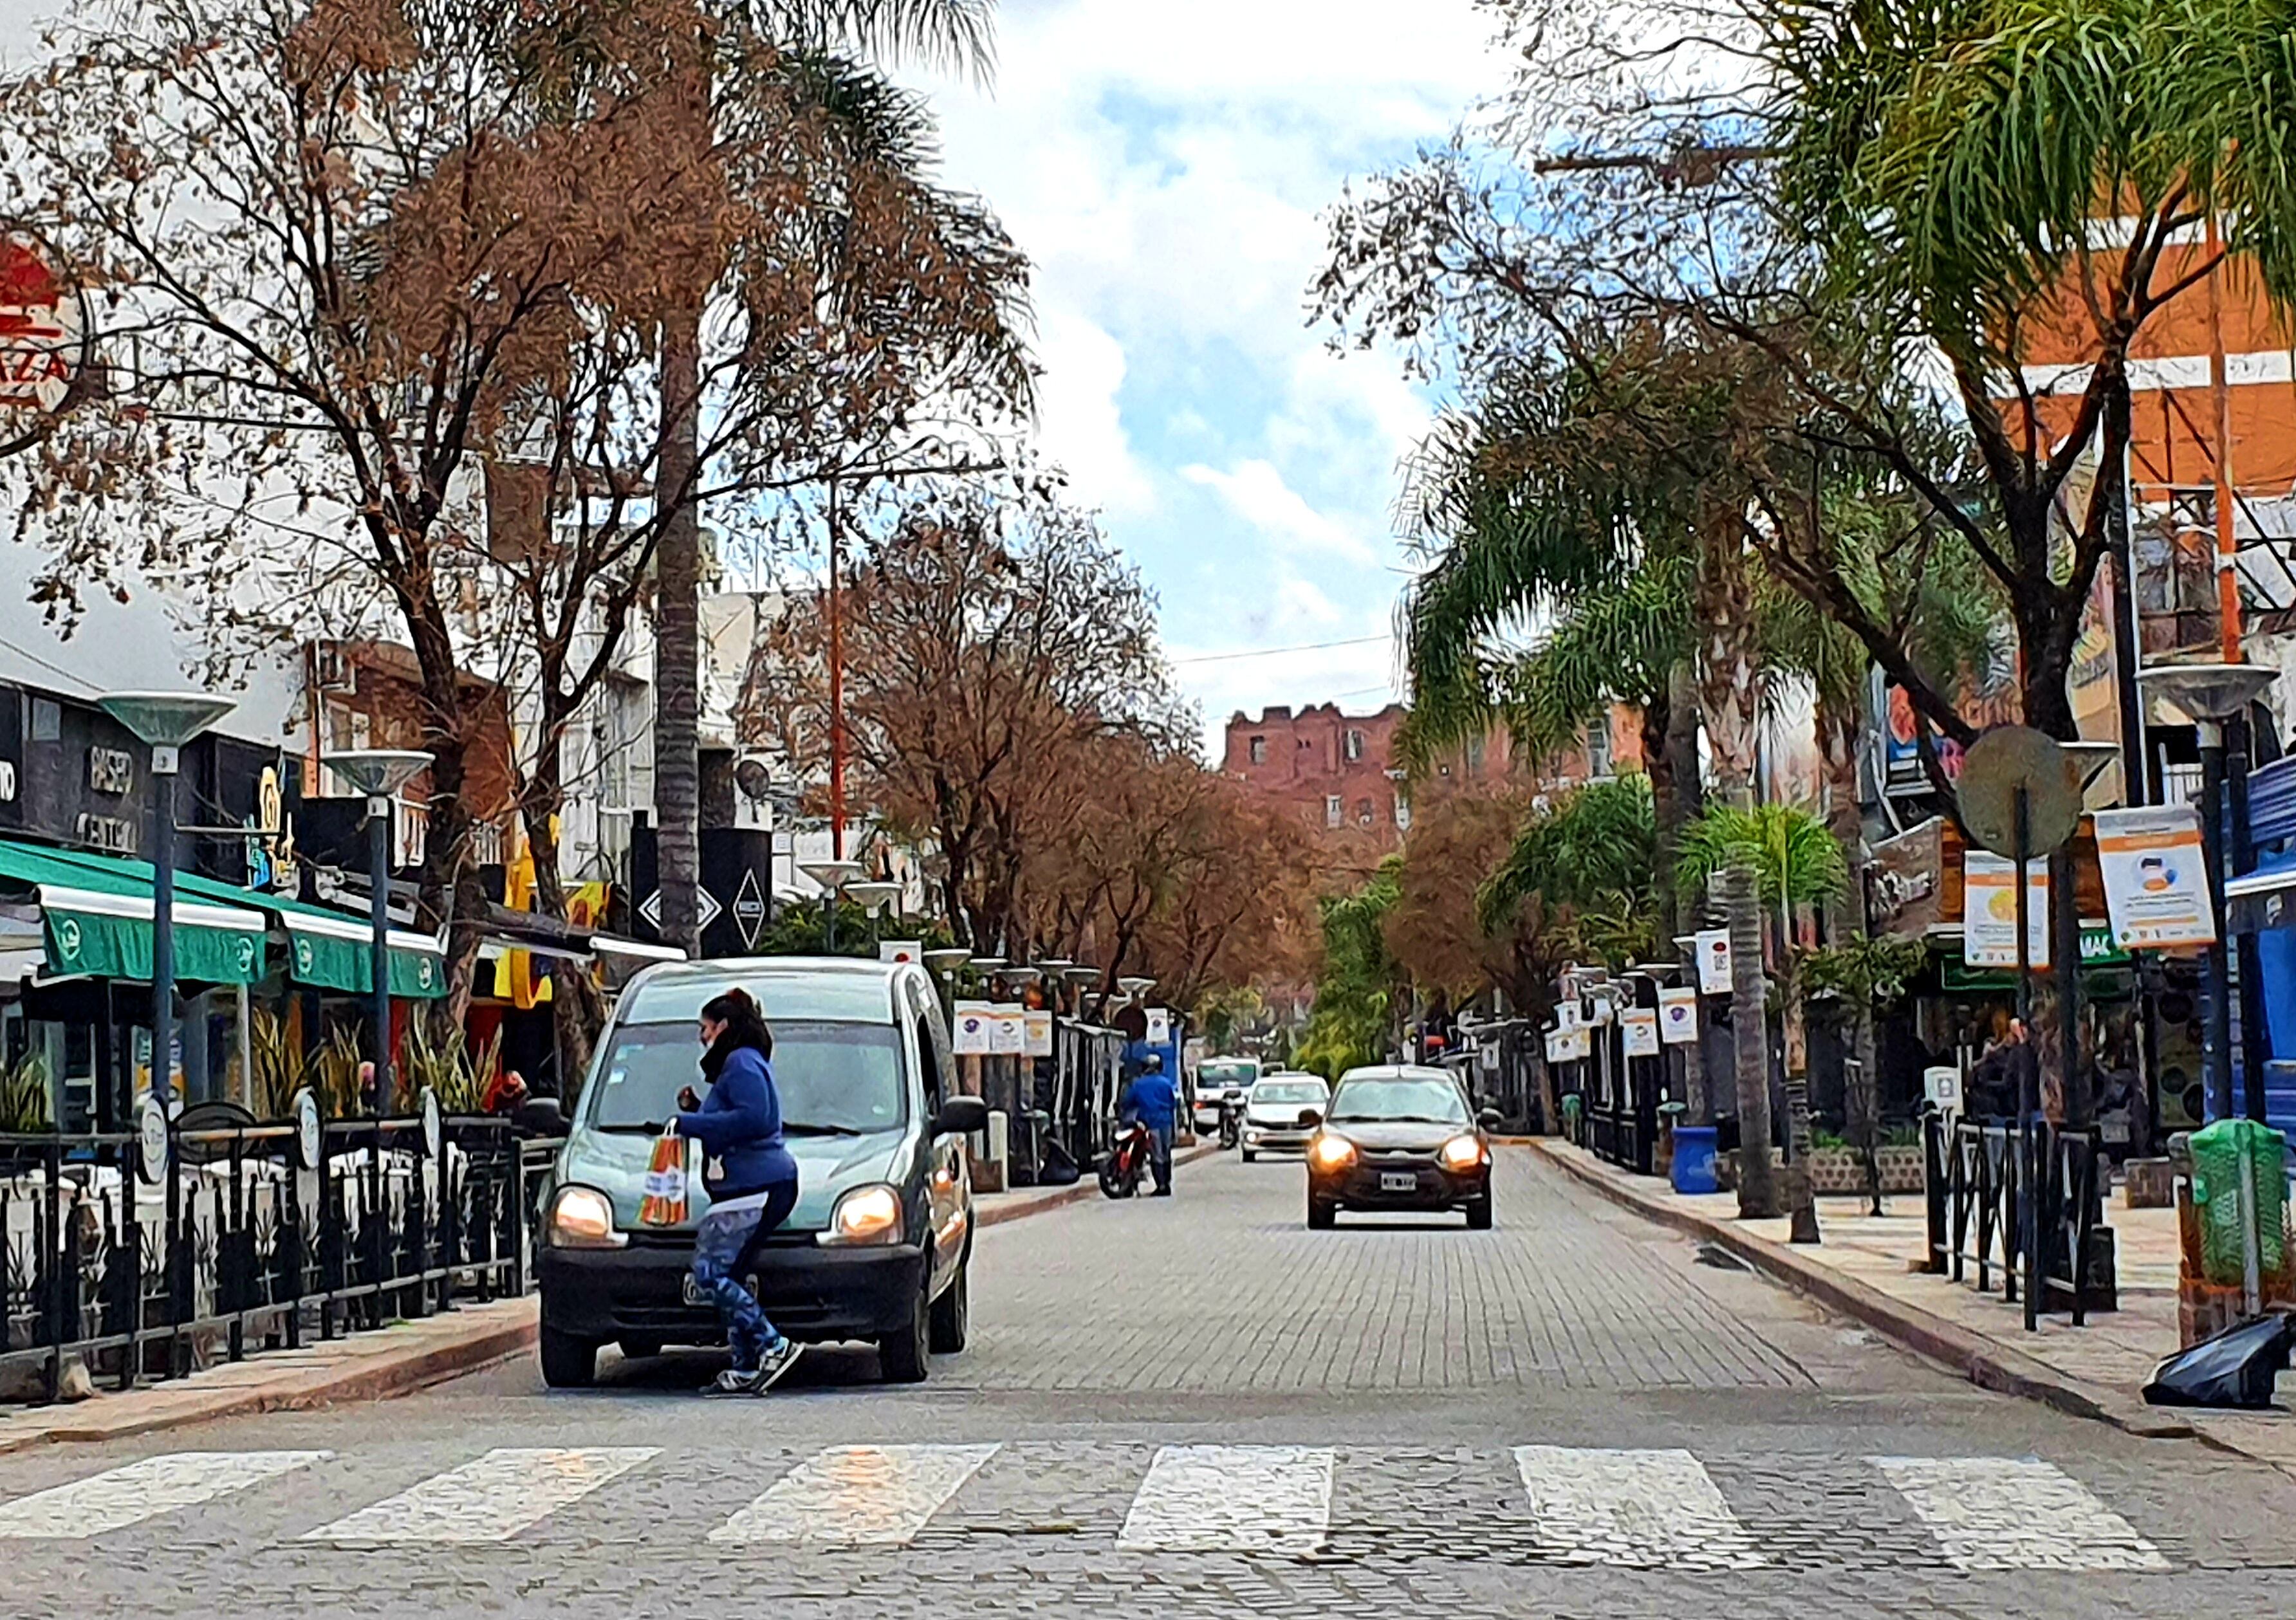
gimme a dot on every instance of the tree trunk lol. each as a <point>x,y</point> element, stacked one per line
<point>1758,1193</point>
<point>678,646</point>
<point>1845,924</point>
<point>577,1011</point>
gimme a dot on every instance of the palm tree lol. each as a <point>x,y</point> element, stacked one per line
<point>1788,858</point>
<point>817,34</point>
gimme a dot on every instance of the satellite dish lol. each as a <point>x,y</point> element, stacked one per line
<point>756,782</point>
<point>2004,760</point>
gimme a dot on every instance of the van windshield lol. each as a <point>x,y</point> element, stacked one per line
<point>835,1079</point>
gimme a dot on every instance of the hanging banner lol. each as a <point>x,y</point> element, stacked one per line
<point>1713,948</point>
<point>1008,1029</point>
<point>1567,1013</point>
<point>1677,1016</point>
<point>1039,1024</point>
<point>1639,1028</point>
<point>901,950</point>
<point>1578,1044</point>
<point>1989,911</point>
<point>1555,1047</point>
<point>1160,1026</point>
<point>972,1029</point>
<point>2155,877</point>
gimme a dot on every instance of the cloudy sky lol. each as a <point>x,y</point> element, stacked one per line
<point>1165,166</point>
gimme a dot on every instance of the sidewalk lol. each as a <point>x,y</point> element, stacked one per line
<point>1863,1268</point>
<point>392,1361</point>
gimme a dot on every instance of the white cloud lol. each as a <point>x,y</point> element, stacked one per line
<point>1257,493</point>
<point>1081,426</point>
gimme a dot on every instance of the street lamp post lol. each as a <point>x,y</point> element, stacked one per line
<point>2212,693</point>
<point>164,721</point>
<point>873,897</point>
<point>833,876</point>
<point>379,774</point>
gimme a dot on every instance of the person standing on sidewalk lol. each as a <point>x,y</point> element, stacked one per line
<point>752,1181</point>
<point>1154,1102</point>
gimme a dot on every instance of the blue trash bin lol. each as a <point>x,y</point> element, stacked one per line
<point>1693,1159</point>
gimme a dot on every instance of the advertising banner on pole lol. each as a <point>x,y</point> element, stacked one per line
<point>2155,877</point>
<point>1160,1026</point>
<point>972,1029</point>
<point>1039,1022</point>
<point>1989,911</point>
<point>1008,1029</point>
<point>1677,1016</point>
<point>1713,947</point>
<point>900,949</point>
<point>1638,1029</point>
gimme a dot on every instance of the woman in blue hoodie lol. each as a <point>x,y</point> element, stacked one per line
<point>750,1178</point>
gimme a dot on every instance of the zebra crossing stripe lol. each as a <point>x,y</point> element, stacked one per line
<point>489,1498</point>
<point>1231,1498</point>
<point>857,1495</point>
<point>1638,1510</point>
<point>2015,1513</point>
<point>134,1491</point>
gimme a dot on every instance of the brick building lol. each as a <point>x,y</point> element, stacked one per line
<point>1340,772</point>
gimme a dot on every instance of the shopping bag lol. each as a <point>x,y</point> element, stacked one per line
<point>664,1204</point>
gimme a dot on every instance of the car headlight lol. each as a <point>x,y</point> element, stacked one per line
<point>1252,1136</point>
<point>865,1216</point>
<point>1461,1153</point>
<point>1333,1152</point>
<point>583,1217</point>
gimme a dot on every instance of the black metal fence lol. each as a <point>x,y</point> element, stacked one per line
<point>251,1236</point>
<point>1977,1179</point>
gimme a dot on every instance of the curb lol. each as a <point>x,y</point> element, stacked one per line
<point>375,1377</point>
<point>1965,1354</point>
<point>1084,1188</point>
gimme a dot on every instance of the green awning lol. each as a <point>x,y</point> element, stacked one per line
<point>95,914</point>
<point>331,950</point>
<point>327,950</point>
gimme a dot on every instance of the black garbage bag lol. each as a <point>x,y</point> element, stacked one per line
<point>2234,1369</point>
<point>1055,1168</point>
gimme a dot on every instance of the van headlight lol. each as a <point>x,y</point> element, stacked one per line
<point>866,1215</point>
<point>583,1217</point>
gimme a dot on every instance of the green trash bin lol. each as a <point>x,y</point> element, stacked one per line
<point>2218,1152</point>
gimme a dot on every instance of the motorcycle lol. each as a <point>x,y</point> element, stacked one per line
<point>1231,1120</point>
<point>1125,1162</point>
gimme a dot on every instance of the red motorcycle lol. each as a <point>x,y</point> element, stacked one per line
<point>1126,1161</point>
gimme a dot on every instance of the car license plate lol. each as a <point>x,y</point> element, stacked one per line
<point>693,1294</point>
<point>1397,1181</point>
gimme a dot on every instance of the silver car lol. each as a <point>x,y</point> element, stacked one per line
<point>1279,1114</point>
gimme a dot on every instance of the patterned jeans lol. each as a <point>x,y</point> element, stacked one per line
<point>721,1252</point>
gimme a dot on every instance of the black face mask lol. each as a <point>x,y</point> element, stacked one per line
<point>730,1039</point>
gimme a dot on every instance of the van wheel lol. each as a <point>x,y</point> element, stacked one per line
<point>902,1356</point>
<point>952,1312</point>
<point>568,1361</point>
<point>1479,1213</point>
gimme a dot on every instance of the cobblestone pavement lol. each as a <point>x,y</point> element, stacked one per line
<point>1195,1404</point>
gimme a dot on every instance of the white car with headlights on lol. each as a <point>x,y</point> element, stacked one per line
<point>1280,1113</point>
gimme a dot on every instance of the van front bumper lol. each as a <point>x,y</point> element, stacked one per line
<point>812,1294</point>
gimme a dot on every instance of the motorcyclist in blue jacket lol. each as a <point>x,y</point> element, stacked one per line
<point>1153,1101</point>
<point>752,1181</point>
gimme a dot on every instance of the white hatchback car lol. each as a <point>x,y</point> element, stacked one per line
<point>1278,1114</point>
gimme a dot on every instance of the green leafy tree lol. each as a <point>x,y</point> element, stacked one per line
<point>1360,987</point>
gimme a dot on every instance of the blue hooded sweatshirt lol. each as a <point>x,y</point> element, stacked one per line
<point>739,1126</point>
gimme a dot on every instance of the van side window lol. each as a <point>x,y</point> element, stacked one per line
<point>932,1045</point>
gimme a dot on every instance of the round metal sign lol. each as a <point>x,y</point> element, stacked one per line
<point>308,1137</point>
<point>152,1140</point>
<point>44,337</point>
<point>2004,760</point>
<point>434,1123</point>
